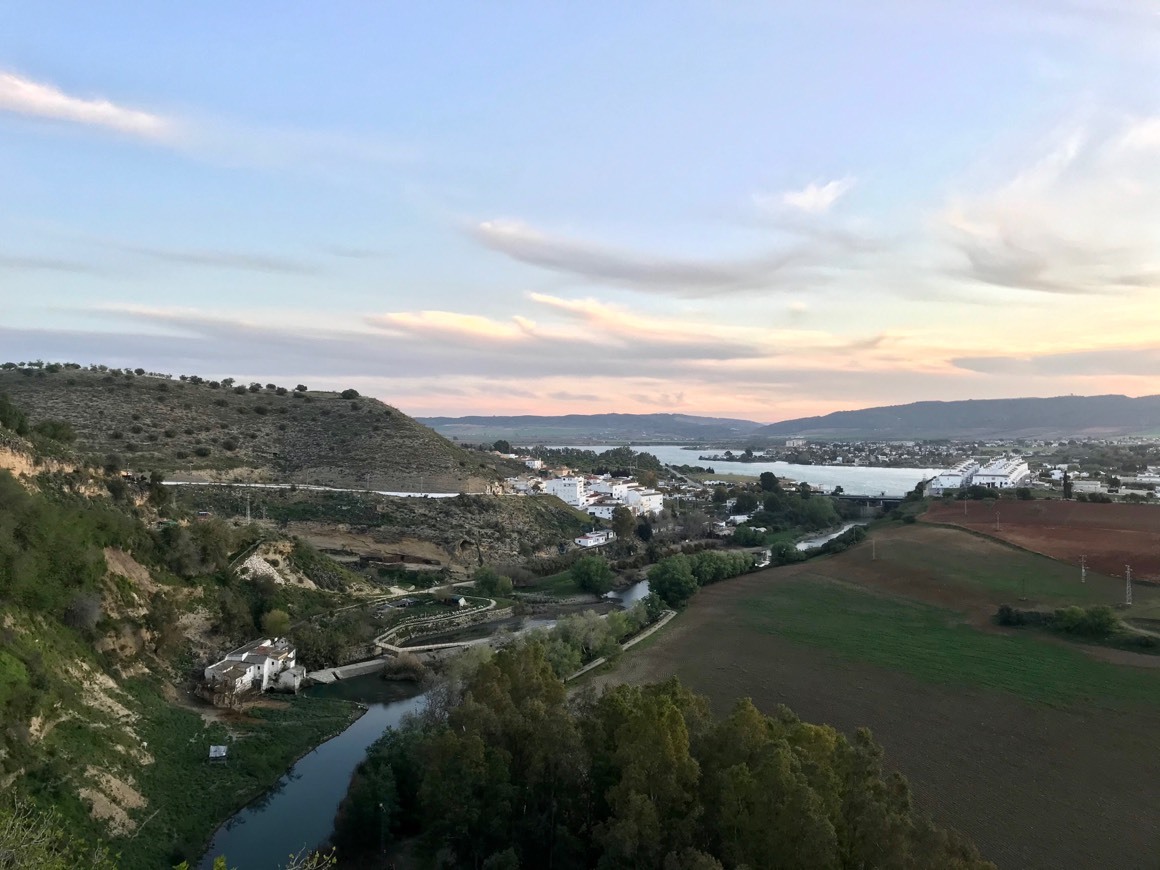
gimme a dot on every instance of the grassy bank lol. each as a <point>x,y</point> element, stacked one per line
<point>189,797</point>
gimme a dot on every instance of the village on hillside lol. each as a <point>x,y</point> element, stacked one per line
<point>595,494</point>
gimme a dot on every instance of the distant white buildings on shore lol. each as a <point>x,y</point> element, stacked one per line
<point>956,477</point>
<point>1003,472</point>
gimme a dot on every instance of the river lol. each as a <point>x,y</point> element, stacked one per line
<point>854,479</point>
<point>629,595</point>
<point>822,540</point>
<point>299,811</point>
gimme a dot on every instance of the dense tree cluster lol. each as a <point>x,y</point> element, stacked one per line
<point>592,574</point>
<point>489,582</point>
<point>513,775</point>
<point>789,509</point>
<point>619,461</point>
<point>584,637</point>
<point>677,578</point>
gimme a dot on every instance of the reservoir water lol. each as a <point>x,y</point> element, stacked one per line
<point>299,811</point>
<point>854,479</point>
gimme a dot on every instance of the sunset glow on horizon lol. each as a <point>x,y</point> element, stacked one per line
<point>741,211</point>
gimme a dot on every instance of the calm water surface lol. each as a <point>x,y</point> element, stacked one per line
<point>854,479</point>
<point>299,811</point>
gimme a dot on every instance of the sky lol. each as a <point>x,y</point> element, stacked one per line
<point>756,210</point>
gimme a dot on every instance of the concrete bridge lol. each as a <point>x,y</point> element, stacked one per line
<point>885,502</point>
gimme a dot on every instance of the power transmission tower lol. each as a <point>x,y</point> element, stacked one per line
<point>1083,569</point>
<point>1128,585</point>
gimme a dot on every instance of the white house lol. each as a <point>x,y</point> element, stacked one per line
<point>644,501</point>
<point>596,539</point>
<point>957,477</point>
<point>257,666</point>
<point>795,442</point>
<point>616,487</point>
<point>533,463</point>
<point>1003,473</point>
<point>570,490</point>
<point>603,508</point>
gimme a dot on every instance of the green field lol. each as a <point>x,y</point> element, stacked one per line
<point>934,644</point>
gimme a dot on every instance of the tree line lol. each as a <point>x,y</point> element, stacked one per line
<point>504,771</point>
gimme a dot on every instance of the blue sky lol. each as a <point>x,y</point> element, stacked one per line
<point>761,210</point>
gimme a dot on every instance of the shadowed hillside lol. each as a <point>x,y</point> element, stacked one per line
<point>209,430</point>
<point>1058,417</point>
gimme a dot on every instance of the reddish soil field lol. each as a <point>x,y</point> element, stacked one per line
<point>1109,535</point>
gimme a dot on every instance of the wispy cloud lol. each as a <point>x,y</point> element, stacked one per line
<point>1082,219</point>
<point>218,259</point>
<point>47,264</point>
<point>648,272</point>
<point>24,96</point>
<point>1109,361</point>
<point>814,198</point>
<point>213,140</point>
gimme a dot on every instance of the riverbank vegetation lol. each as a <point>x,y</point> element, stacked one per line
<point>509,773</point>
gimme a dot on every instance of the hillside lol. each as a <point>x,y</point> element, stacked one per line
<point>453,533</point>
<point>201,430</point>
<point>590,428</point>
<point>1057,417</point>
<point>104,616</point>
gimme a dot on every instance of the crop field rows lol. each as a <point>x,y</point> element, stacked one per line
<point>1110,536</point>
<point>1040,751</point>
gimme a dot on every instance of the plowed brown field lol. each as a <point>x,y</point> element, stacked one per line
<point>1109,535</point>
<point>1043,754</point>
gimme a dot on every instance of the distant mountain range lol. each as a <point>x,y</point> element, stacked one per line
<point>591,428</point>
<point>1058,417</point>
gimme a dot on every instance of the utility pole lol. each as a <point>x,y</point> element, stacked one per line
<point>1128,585</point>
<point>1083,569</point>
<point>873,550</point>
<point>247,508</point>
